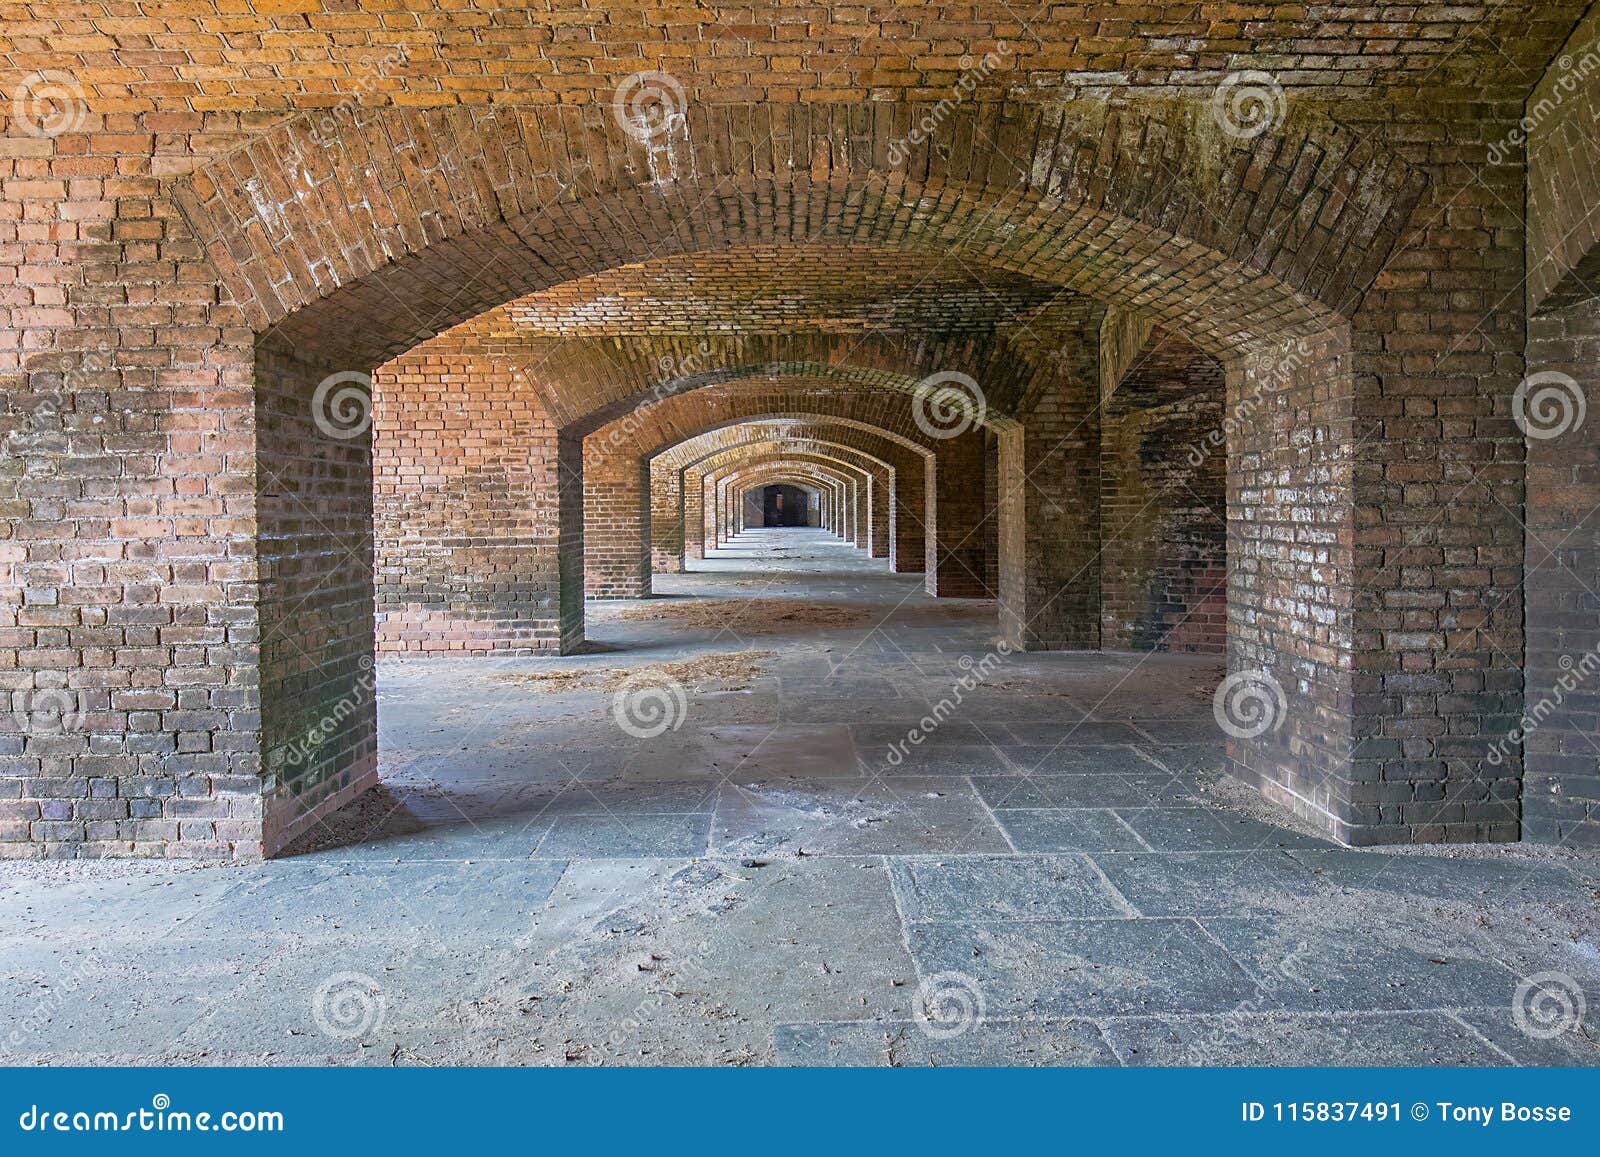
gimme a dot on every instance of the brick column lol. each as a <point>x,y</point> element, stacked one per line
<point>616,514</point>
<point>667,539</point>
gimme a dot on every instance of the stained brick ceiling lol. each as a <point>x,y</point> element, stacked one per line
<point>264,58</point>
<point>778,289</point>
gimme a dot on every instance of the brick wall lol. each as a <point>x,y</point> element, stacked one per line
<point>1163,515</point>
<point>1561,712</point>
<point>465,511</point>
<point>1374,564</point>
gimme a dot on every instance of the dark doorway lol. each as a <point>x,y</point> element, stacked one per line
<point>783,505</point>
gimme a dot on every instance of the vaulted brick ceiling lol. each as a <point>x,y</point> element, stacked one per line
<point>268,57</point>
<point>779,289</point>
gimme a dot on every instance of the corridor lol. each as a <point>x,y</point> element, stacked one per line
<point>712,839</point>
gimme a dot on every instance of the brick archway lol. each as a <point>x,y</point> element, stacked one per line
<point>838,484</point>
<point>403,202</point>
<point>899,500</point>
<point>835,489</point>
<point>617,474</point>
<point>880,476</point>
<point>857,475</point>
<point>336,258</point>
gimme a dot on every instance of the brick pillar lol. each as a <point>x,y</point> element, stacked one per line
<point>909,504</point>
<point>1561,802</point>
<point>861,506</point>
<point>570,488</point>
<point>1163,521</point>
<point>880,541</point>
<point>616,512</point>
<point>956,549</point>
<point>464,508</point>
<point>1048,498</point>
<point>710,524</point>
<point>694,513</point>
<point>667,541</point>
<point>319,723</point>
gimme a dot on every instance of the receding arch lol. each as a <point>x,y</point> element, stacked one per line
<point>677,508</point>
<point>873,475</point>
<point>501,202</point>
<point>1135,202</point>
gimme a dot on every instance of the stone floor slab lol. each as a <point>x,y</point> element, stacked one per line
<point>1085,967</point>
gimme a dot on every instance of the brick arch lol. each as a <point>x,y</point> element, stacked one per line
<point>798,469</point>
<point>770,392</point>
<point>677,516</point>
<point>829,489</point>
<point>452,212</point>
<point>872,530</point>
<point>832,483</point>
<point>338,258</point>
<point>615,479</point>
<point>830,493</point>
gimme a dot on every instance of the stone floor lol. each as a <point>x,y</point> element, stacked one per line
<point>710,840</point>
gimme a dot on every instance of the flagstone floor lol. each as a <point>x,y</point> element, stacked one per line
<point>712,839</point>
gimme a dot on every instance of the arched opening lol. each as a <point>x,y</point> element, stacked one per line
<point>1056,249</point>
<point>781,505</point>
